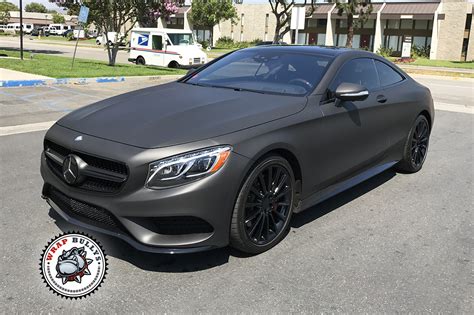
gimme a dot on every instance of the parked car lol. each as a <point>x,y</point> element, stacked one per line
<point>165,48</point>
<point>229,152</point>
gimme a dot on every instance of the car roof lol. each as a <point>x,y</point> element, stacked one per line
<point>311,49</point>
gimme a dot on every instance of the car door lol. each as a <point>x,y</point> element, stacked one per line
<point>157,47</point>
<point>355,135</point>
<point>399,104</point>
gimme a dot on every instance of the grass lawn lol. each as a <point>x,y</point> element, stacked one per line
<point>60,67</point>
<point>217,52</point>
<point>439,63</point>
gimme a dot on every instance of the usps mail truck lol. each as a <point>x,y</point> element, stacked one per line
<point>165,47</point>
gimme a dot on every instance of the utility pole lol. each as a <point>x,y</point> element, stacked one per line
<point>21,29</point>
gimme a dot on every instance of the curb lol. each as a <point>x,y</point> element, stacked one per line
<point>83,81</point>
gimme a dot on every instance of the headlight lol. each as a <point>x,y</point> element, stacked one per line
<point>186,167</point>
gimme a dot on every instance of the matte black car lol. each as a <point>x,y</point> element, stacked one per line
<point>229,152</point>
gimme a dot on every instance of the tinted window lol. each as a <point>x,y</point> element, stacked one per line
<point>265,70</point>
<point>359,71</point>
<point>387,75</point>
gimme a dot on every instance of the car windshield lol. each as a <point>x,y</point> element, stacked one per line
<point>181,39</point>
<point>265,71</point>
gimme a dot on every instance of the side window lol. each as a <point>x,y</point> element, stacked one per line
<point>359,71</point>
<point>387,75</point>
<point>157,42</point>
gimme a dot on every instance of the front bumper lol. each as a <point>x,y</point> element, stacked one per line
<point>140,212</point>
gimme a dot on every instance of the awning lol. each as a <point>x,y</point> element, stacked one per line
<point>375,8</point>
<point>409,10</point>
<point>321,10</point>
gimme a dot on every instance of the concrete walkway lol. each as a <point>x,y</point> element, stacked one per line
<point>9,75</point>
<point>440,69</point>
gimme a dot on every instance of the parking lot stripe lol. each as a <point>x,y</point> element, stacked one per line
<point>12,130</point>
<point>454,108</point>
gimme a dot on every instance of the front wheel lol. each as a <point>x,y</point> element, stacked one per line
<point>264,206</point>
<point>140,61</point>
<point>416,146</point>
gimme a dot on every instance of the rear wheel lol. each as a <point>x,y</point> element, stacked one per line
<point>173,64</point>
<point>416,146</point>
<point>140,61</point>
<point>264,206</point>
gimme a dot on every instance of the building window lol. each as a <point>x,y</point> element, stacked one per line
<point>406,24</point>
<point>267,16</point>
<point>321,39</point>
<point>322,22</point>
<point>343,23</point>
<point>311,23</point>
<point>370,24</point>
<point>419,41</point>
<point>421,24</point>
<point>393,24</point>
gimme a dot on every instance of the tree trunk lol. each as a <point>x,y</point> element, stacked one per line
<point>350,30</point>
<point>112,51</point>
<point>276,38</point>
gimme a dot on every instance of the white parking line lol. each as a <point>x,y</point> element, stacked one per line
<point>454,108</point>
<point>13,130</point>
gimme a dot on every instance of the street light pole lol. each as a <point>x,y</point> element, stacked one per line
<point>21,29</point>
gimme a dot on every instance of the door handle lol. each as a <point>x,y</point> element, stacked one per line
<point>381,99</point>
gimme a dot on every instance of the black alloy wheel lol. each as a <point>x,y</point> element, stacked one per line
<point>419,143</point>
<point>416,146</point>
<point>264,206</point>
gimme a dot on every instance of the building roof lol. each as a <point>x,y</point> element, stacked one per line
<point>375,8</point>
<point>411,8</point>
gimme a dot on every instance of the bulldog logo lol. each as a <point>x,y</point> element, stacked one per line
<point>73,265</point>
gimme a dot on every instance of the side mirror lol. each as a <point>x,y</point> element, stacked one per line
<point>351,92</point>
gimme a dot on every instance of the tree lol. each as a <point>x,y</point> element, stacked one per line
<point>119,16</point>
<point>209,13</point>
<point>281,9</point>
<point>58,18</point>
<point>35,7</point>
<point>5,8</point>
<point>362,8</point>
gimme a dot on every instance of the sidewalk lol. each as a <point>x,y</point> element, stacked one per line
<point>12,75</point>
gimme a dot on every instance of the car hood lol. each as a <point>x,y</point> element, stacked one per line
<point>177,113</point>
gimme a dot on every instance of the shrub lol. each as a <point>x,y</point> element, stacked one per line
<point>256,41</point>
<point>225,42</point>
<point>385,51</point>
<point>420,51</point>
<point>70,36</point>
<point>204,43</point>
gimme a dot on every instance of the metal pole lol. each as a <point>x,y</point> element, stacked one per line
<point>21,29</point>
<point>77,41</point>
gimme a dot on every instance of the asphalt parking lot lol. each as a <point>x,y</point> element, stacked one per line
<point>396,243</point>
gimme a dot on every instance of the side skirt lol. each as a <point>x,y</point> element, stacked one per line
<point>335,189</point>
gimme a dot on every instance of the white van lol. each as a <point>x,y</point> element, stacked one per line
<point>58,29</point>
<point>166,48</point>
<point>27,28</point>
<point>102,39</point>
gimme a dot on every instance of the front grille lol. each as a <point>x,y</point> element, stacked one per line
<point>197,60</point>
<point>82,211</point>
<point>90,183</point>
<point>181,225</point>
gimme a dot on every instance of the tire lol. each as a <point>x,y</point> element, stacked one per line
<point>140,61</point>
<point>416,146</point>
<point>262,213</point>
<point>173,64</point>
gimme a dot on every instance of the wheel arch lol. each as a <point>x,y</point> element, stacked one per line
<point>281,150</point>
<point>427,116</point>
